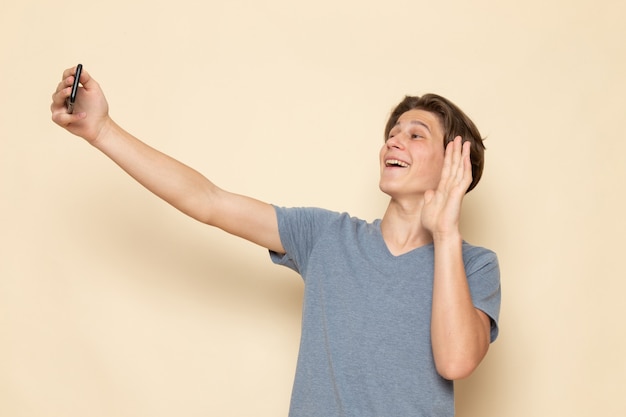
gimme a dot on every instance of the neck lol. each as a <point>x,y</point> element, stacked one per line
<point>402,228</point>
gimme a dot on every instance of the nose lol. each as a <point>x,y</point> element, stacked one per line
<point>396,141</point>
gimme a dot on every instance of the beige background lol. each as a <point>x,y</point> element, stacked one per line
<point>114,304</point>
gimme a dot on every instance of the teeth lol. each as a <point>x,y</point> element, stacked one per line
<point>395,162</point>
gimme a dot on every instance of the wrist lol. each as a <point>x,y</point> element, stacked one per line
<point>447,238</point>
<point>107,128</point>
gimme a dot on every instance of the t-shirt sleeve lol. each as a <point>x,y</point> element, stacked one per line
<point>483,275</point>
<point>299,229</point>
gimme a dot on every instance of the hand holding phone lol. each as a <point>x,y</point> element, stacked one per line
<point>72,98</point>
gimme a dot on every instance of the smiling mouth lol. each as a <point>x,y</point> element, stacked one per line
<point>396,163</point>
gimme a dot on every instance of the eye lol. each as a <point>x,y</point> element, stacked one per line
<point>416,136</point>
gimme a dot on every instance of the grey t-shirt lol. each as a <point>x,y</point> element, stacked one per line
<point>365,349</point>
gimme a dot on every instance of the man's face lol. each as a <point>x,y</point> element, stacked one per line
<point>412,157</point>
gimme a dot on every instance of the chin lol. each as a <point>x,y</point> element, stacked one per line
<point>386,189</point>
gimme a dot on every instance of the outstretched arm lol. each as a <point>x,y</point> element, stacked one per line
<point>179,185</point>
<point>460,333</point>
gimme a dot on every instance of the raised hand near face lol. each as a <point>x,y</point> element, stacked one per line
<point>442,207</point>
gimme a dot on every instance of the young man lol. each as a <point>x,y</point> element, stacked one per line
<point>394,310</point>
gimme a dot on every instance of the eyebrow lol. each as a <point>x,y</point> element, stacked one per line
<point>415,122</point>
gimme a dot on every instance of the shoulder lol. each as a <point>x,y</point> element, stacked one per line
<point>313,215</point>
<point>477,257</point>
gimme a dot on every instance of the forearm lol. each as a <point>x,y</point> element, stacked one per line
<point>176,183</point>
<point>459,332</point>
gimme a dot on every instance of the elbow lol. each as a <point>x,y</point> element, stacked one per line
<point>459,365</point>
<point>456,370</point>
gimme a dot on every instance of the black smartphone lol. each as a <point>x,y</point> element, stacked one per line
<point>72,98</point>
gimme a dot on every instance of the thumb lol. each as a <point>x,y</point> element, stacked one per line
<point>428,196</point>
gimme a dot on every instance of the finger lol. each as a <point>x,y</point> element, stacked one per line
<point>461,167</point>
<point>87,82</point>
<point>466,152</point>
<point>467,160</point>
<point>58,106</point>
<point>70,72</point>
<point>63,89</point>
<point>457,151</point>
<point>447,170</point>
<point>453,159</point>
<point>447,162</point>
<point>64,119</point>
<point>465,166</point>
<point>85,78</point>
<point>69,75</point>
